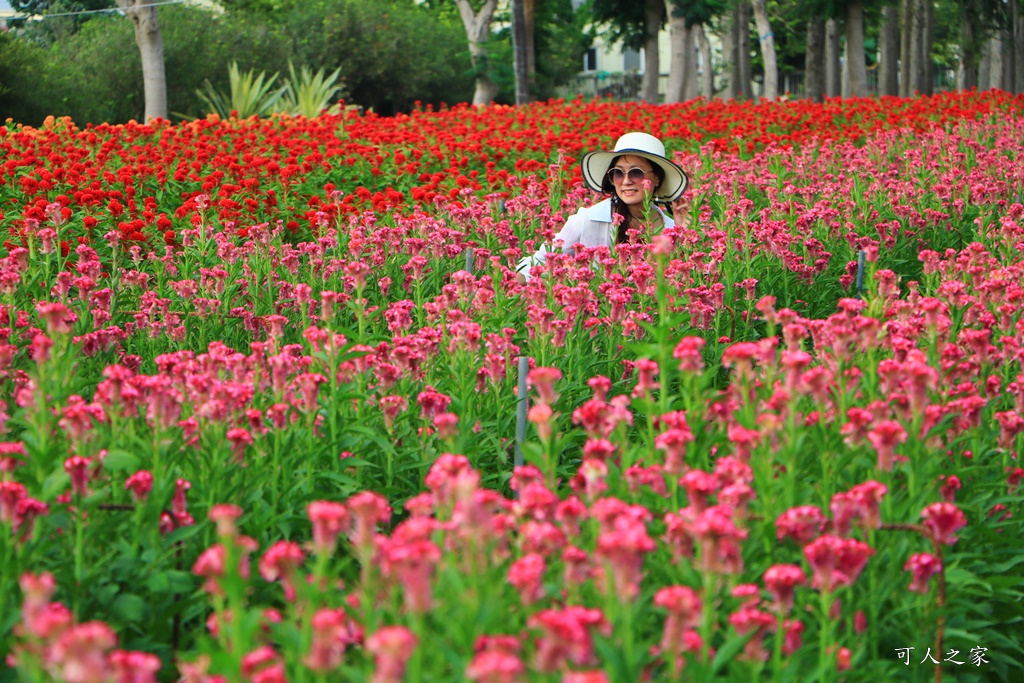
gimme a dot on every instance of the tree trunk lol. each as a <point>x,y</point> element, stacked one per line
<point>707,72</point>
<point>745,89</point>
<point>995,48</point>
<point>906,33</point>
<point>814,60</point>
<point>731,57</point>
<point>530,20</point>
<point>653,15</point>
<point>478,29</point>
<point>1013,56</point>
<point>916,70</point>
<point>693,87</point>
<point>985,67</point>
<point>927,86</point>
<point>1018,54</point>
<point>767,40</point>
<point>833,83</point>
<point>889,52</point>
<point>519,53</point>
<point>681,54</point>
<point>1007,59</point>
<point>967,77</point>
<point>856,67</point>
<point>654,12</point>
<point>151,50</point>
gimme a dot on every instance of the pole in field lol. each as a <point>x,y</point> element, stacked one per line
<point>521,405</point>
<point>469,259</point>
<point>860,273</point>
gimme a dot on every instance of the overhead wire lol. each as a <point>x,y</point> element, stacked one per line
<point>103,11</point>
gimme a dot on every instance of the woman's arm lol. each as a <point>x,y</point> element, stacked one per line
<point>569,235</point>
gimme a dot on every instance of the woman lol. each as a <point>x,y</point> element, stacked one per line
<point>637,162</point>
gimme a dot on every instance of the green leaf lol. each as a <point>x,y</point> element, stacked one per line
<point>727,652</point>
<point>55,484</point>
<point>120,461</point>
<point>128,607</point>
<point>171,581</point>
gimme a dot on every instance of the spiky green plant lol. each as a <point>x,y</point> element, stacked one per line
<point>309,94</point>
<point>251,94</point>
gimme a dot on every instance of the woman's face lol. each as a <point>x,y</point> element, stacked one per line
<point>629,189</point>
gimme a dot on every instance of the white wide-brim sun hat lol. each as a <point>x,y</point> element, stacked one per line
<point>595,165</point>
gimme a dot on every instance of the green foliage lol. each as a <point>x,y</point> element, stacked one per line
<point>95,75</point>
<point>625,21</point>
<point>19,78</point>
<point>390,53</point>
<point>304,93</point>
<point>60,23</point>
<point>699,11</point>
<point>308,94</point>
<point>249,95</point>
<point>199,43</point>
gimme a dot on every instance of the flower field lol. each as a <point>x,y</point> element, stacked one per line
<point>260,377</point>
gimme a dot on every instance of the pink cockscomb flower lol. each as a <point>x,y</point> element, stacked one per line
<point>836,561</point>
<point>688,353</point>
<point>543,382</point>
<point>496,660</point>
<point>566,636</point>
<point>943,520</point>
<point>140,484</point>
<point>885,436</point>
<point>684,608</point>
<point>868,496</point>
<point>281,561</point>
<point>391,647</point>
<point>781,580</point>
<point>77,468</point>
<point>922,566</point>
<point>329,521</point>
<point>802,524</point>
<point>527,576</point>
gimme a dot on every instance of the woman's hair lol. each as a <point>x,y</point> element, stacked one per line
<point>618,207</point>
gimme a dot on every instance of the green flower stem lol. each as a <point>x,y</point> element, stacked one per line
<point>825,637</point>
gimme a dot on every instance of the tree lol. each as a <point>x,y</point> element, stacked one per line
<point>682,68</point>
<point>888,52</point>
<point>522,67</point>
<point>767,41</point>
<point>151,48</point>
<point>530,27</point>
<point>736,50</point>
<point>654,15</point>
<point>984,24</point>
<point>685,19</point>
<point>856,66</point>
<point>562,34</point>
<point>833,79</point>
<point>392,53</point>
<point>1017,40</point>
<point>707,74</point>
<point>917,19</point>
<point>636,26</point>
<point>814,59</point>
<point>477,23</point>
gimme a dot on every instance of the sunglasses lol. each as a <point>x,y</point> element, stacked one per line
<point>636,175</point>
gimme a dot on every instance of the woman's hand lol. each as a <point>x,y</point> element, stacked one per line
<point>682,209</point>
